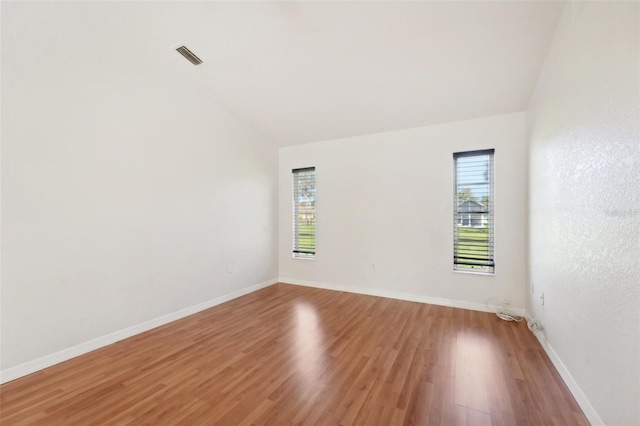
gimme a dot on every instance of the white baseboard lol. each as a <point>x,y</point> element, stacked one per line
<point>398,295</point>
<point>66,354</point>
<point>83,348</point>
<point>588,410</point>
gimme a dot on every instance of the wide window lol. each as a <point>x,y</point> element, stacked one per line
<point>473,211</point>
<point>304,213</point>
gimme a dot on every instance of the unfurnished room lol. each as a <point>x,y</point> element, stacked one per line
<point>320,213</point>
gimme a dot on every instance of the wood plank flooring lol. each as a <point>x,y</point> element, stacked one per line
<point>298,355</point>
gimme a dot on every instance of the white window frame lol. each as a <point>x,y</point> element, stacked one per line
<point>465,258</point>
<point>304,222</point>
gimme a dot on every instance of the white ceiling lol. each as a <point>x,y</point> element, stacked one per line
<point>302,72</point>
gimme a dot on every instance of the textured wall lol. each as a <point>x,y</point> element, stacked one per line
<point>583,124</point>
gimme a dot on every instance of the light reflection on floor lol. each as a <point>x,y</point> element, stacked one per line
<point>475,374</point>
<point>309,345</point>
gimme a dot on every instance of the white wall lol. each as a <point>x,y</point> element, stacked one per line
<point>583,126</point>
<point>388,199</point>
<point>125,191</point>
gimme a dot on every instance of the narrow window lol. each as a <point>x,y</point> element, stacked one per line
<point>473,211</point>
<point>304,213</point>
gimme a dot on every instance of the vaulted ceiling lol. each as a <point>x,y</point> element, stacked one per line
<point>302,72</point>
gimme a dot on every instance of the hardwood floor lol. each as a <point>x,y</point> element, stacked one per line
<point>297,355</point>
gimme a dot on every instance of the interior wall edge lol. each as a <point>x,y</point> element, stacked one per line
<point>398,295</point>
<point>46,361</point>
<point>567,378</point>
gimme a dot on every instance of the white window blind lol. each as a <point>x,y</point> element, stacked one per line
<point>473,218</point>
<point>304,213</point>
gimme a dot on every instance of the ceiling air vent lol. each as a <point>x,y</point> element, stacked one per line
<point>189,55</point>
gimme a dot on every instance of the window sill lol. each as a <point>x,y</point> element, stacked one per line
<point>303,258</point>
<point>491,274</point>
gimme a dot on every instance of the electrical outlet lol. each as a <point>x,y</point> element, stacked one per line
<point>229,268</point>
<point>542,298</point>
<point>373,266</point>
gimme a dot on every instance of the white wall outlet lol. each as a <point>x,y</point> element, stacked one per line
<point>542,298</point>
<point>229,268</point>
<point>373,266</point>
